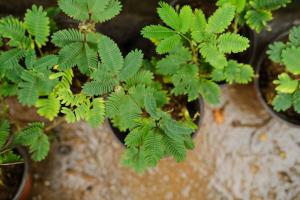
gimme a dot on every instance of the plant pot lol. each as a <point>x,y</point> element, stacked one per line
<point>21,192</point>
<point>265,89</point>
<point>193,107</point>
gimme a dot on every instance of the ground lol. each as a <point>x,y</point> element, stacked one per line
<point>241,153</point>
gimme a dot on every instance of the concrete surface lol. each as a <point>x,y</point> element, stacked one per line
<point>241,153</point>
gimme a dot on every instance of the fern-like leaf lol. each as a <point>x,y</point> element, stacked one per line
<point>157,32</point>
<point>110,54</point>
<point>168,44</point>
<point>269,4</point>
<point>221,19</point>
<point>275,51</point>
<point>33,137</point>
<point>232,43</point>
<point>294,36</point>
<point>15,30</point>
<point>49,107</point>
<point>213,56</point>
<point>133,62</point>
<point>66,37</point>
<point>175,148</point>
<point>76,9</point>
<point>282,102</point>
<point>153,148</point>
<point>257,19</point>
<point>37,24</point>
<point>210,91</point>
<point>96,114</point>
<point>296,101</point>
<point>169,16</point>
<point>111,10</point>
<point>290,58</point>
<point>4,132</point>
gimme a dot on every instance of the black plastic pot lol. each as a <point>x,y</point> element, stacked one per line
<point>20,174</point>
<point>193,107</point>
<point>262,80</point>
<point>24,190</point>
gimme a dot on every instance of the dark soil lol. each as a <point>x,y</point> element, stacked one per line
<point>268,73</point>
<point>12,178</point>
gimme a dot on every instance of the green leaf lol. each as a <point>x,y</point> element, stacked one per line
<point>175,147</point>
<point>66,37</point>
<point>135,158</point>
<point>136,137</point>
<point>37,141</point>
<point>169,16</point>
<point>28,92</point>
<point>15,30</point>
<point>96,114</point>
<point>76,9</point>
<point>269,4</point>
<point>153,148</point>
<point>157,32</point>
<point>210,91</point>
<point>290,58</point>
<point>151,106</point>
<point>221,19</point>
<point>49,107</point>
<point>186,81</point>
<point>294,36</point>
<point>133,62</point>
<point>37,24</point>
<point>213,56</point>
<point>257,19</point>
<point>68,55</point>
<point>296,101</point>
<point>87,59</point>
<point>4,132</point>
<point>168,44</point>
<point>174,128</point>
<point>232,43</point>
<point>238,73</point>
<point>199,21</point>
<point>275,51</point>
<point>98,88</point>
<point>239,4</point>
<point>110,54</point>
<point>69,114</point>
<point>186,17</point>
<point>111,10</point>
<point>282,102</point>
<point>285,84</point>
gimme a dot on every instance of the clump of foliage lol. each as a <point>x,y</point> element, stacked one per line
<point>32,137</point>
<point>197,51</point>
<point>287,84</point>
<point>254,13</point>
<point>134,100</point>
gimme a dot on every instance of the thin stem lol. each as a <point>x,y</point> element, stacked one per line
<point>235,25</point>
<point>14,163</point>
<point>55,124</point>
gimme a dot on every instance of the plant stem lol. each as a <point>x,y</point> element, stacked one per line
<point>14,163</point>
<point>235,25</point>
<point>55,124</point>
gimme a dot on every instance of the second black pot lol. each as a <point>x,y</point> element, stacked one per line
<point>263,80</point>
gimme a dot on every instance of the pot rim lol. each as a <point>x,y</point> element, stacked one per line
<point>26,173</point>
<point>259,94</point>
<point>199,100</point>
